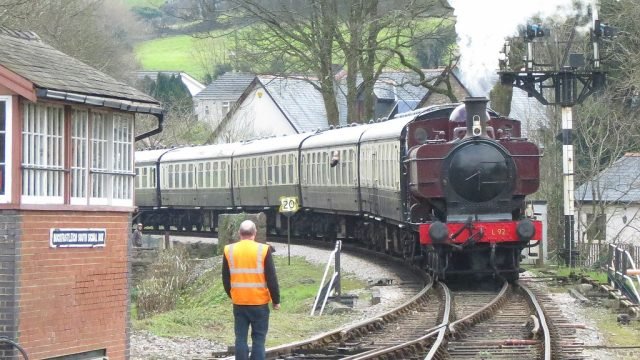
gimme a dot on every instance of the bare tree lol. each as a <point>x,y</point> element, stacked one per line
<point>315,38</point>
<point>181,127</point>
<point>100,33</point>
<point>296,38</point>
<point>377,32</point>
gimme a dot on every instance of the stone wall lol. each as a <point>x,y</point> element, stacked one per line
<point>230,223</point>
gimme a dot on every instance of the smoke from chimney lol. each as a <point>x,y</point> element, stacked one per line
<point>483,25</point>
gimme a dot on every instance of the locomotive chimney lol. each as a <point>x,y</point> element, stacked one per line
<point>476,109</point>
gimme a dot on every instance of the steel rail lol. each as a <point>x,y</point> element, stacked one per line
<point>343,333</point>
<point>420,344</point>
<point>542,318</point>
<point>481,314</point>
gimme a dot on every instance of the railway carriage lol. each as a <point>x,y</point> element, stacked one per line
<point>443,186</point>
<point>266,169</point>
<point>146,179</point>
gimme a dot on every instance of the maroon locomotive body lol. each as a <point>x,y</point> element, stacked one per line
<point>468,178</point>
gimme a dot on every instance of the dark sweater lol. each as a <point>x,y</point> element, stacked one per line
<point>269,273</point>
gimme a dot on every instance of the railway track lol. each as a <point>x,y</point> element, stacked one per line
<point>512,322</point>
<point>405,330</point>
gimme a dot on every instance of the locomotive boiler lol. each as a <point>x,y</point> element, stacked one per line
<point>444,187</point>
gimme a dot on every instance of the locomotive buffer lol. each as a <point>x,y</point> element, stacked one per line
<point>560,87</point>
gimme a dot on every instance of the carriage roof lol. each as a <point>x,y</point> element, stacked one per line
<point>271,144</point>
<point>335,137</point>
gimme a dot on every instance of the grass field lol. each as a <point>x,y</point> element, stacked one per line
<point>204,310</point>
<point>179,52</point>
<point>170,53</point>
<point>149,3</point>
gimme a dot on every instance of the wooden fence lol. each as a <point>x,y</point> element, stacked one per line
<point>596,255</point>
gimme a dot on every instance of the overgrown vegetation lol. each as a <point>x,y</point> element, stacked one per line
<point>203,309</point>
<point>169,275</point>
<point>572,272</point>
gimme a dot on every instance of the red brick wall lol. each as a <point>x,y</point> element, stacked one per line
<point>73,300</point>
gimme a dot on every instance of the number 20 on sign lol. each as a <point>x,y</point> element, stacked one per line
<point>288,204</point>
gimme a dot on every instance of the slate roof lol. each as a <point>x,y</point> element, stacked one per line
<point>227,87</point>
<point>531,113</point>
<point>618,183</point>
<point>300,102</point>
<point>55,73</point>
<point>399,85</point>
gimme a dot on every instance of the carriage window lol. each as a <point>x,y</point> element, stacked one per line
<point>170,176</point>
<point>314,169</point>
<point>210,174</point>
<point>269,170</point>
<point>182,178</point>
<point>241,170</point>
<point>141,176</point>
<point>344,168</point>
<point>152,177</point>
<point>292,175</point>
<point>224,171</point>
<point>190,176</point>
<point>200,176</point>
<point>254,172</point>
<point>353,164</point>
<point>333,171</point>
<point>304,168</point>
<point>283,168</point>
<point>276,170</point>
<point>206,175</point>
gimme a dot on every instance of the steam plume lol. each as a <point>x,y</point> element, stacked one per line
<point>482,27</point>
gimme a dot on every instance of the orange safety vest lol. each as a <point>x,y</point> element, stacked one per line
<point>246,267</point>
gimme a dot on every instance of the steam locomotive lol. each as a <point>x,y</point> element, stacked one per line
<point>443,186</point>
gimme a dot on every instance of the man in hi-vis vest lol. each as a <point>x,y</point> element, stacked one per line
<point>249,278</point>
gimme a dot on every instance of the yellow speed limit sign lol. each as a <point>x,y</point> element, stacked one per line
<point>289,204</point>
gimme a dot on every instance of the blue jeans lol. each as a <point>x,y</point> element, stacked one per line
<point>258,317</point>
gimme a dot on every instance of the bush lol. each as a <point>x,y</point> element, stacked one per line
<point>167,277</point>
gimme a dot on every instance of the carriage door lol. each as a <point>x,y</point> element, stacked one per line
<point>262,178</point>
<point>373,192</point>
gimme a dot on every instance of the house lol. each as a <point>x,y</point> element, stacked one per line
<point>67,134</point>
<point>608,206</point>
<point>533,115</point>
<point>398,91</point>
<point>193,85</point>
<point>213,103</point>
<point>273,105</point>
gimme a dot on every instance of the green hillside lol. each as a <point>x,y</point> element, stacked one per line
<point>170,53</point>
<point>149,3</point>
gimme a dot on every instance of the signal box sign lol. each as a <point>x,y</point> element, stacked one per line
<point>289,204</point>
<point>77,238</point>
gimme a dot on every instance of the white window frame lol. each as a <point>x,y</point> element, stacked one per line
<point>82,170</point>
<point>116,174</point>
<point>8,138</point>
<point>37,176</point>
